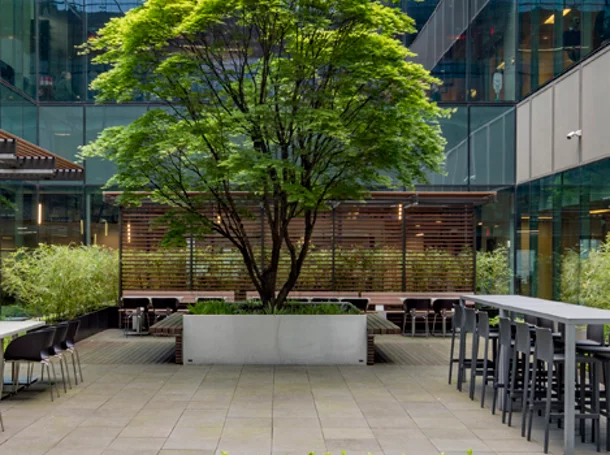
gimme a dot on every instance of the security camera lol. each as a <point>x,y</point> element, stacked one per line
<point>577,133</point>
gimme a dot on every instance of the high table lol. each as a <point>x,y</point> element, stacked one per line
<point>9,329</point>
<point>565,313</point>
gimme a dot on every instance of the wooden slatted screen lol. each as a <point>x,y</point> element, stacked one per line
<point>373,246</point>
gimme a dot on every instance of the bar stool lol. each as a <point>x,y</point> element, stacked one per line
<point>521,354</point>
<point>485,367</point>
<point>546,361</point>
<point>456,325</point>
<point>469,325</point>
<point>505,353</point>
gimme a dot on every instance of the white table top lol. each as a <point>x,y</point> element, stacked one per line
<point>10,328</point>
<point>566,313</point>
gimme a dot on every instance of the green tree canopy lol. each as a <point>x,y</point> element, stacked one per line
<point>295,102</point>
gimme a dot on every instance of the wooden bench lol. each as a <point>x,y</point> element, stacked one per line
<point>377,325</point>
<point>171,326</point>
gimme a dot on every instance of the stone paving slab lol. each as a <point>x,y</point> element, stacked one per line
<point>167,409</point>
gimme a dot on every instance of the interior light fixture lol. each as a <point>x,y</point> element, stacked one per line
<point>218,219</point>
<point>598,211</point>
<point>399,212</point>
<point>128,232</point>
<point>551,19</point>
<point>545,217</point>
<point>480,223</point>
<point>39,218</point>
<point>419,234</point>
<point>525,217</point>
<point>501,66</point>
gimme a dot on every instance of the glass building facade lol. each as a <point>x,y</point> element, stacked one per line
<point>503,50</point>
<point>44,99</point>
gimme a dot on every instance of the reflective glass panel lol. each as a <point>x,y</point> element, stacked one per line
<point>62,71</point>
<point>61,129</point>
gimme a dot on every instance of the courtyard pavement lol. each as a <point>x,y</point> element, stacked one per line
<point>142,409</point>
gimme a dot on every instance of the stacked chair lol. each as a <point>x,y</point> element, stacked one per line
<point>46,346</point>
<point>526,370</point>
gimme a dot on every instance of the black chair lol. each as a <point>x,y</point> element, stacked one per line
<point>163,307</point>
<point>33,347</point>
<point>361,303</point>
<point>443,308</point>
<point>135,309</point>
<point>416,309</point>
<point>56,351</point>
<point>69,346</point>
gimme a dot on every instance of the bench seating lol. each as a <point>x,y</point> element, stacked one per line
<point>171,326</point>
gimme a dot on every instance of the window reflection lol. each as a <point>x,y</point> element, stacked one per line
<point>61,29</point>
<point>17,44</point>
<point>60,215</point>
<point>554,36</point>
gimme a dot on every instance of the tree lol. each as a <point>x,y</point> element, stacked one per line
<point>296,103</point>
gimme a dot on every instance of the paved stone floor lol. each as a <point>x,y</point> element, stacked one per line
<point>167,409</point>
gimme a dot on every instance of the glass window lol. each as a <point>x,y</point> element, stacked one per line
<point>17,44</point>
<point>99,118</point>
<point>61,129</point>
<point>556,35</point>
<point>61,218</point>
<point>492,145</point>
<point>492,48</point>
<point>18,226</point>
<point>451,70</point>
<point>455,130</point>
<point>17,114</point>
<point>61,28</point>
<point>99,12</point>
<point>104,221</point>
<point>420,11</point>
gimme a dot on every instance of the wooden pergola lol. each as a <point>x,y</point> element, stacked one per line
<point>394,242</point>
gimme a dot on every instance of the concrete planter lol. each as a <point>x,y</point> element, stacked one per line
<point>275,339</point>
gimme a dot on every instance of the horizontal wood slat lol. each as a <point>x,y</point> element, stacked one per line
<point>360,247</point>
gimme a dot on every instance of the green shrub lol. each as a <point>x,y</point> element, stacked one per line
<point>61,282</point>
<point>297,308</point>
<point>493,272</point>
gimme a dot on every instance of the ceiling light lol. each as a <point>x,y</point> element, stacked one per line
<point>419,234</point>
<point>599,211</point>
<point>551,19</point>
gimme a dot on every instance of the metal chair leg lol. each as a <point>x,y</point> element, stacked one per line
<point>54,378</point>
<point>451,355</point>
<point>44,364</point>
<point>65,359</point>
<point>15,376</point>
<point>485,372</point>
<point>73,358</point>
<point>79,366</point>
<point>63,373</point>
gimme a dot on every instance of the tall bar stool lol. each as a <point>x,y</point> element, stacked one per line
<point>505,353</point>
<point>519,383</point>
<point>546,361</point>
<point>456,324</point>
<point>469,326</point>
<point>484,367</point>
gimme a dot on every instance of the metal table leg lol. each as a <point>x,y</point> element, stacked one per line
<point>569,388</point>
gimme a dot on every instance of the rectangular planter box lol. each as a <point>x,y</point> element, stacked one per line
<point>97,321</point>
<point>275,339</point>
